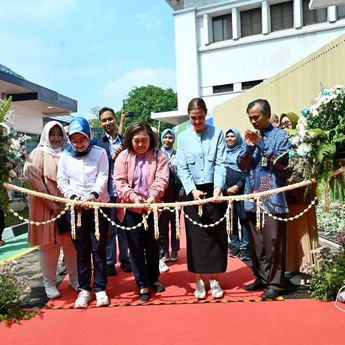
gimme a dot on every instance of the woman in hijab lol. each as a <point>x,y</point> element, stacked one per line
<point>83,175</point>
<point>288,120</point>
<point>301,234</point>
<point>40,170</point>
<point>234,185</point>
<point>171,194</point>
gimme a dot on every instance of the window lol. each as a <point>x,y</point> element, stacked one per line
<point>249,84</point>
<point>341,11</point>
<point>222,28</point>
<point>313,16</point>
<point>281,16</point>
<point>223,88</point>
<point>251,22</point>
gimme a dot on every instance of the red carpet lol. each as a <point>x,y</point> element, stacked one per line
<point>289,322</point>
<point>181,320</point>
<point>179,286</point>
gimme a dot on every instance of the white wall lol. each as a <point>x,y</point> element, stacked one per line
<point>187,64</point>
<point>201,64</point>
<point>26,119</point>
<point>260,60</point>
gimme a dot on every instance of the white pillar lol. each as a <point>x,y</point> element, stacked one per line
<point>265,18</point>
<point>236,24</point>
<point>206,30</point>
<point>297,14</point>
<point>332,14</point>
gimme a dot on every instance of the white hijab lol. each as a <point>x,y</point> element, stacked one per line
<point>44,143</point>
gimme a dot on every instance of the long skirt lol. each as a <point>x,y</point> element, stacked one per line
<point>206,247</point>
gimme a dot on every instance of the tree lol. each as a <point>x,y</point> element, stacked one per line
<point>146,99</point>
<point>93,119</point>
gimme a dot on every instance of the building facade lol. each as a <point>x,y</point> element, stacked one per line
<point>32,104</point>
<point>226,47</point>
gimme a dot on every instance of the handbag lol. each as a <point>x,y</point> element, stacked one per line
<point>63,223</point>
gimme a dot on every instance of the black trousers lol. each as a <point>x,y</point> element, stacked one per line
<point>144,250</point>
<point>267,247</point>
<point>88,246</point>
<point>165,219</point>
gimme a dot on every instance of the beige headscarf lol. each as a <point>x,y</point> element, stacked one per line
<point>44,143</point>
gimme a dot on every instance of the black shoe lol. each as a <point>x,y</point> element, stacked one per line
<point>271,294</point>
<point>111,270</point>
<point>126,266</point>
<point>158,286</point>
<point>144,296</point>
<point>255,286</point>
<point>234,252</point>
<point>244,255</point>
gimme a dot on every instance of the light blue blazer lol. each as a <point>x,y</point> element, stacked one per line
<point>201,158</point>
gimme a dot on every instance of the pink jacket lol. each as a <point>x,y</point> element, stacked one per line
<point>156,164</point>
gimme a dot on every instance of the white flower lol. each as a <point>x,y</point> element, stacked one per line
<point>6,128</point>
<point>304,149</point>
<point>15,144</point>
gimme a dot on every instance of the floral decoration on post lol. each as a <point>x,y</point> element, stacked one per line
<point>12,148</point>
<point>318,140</point>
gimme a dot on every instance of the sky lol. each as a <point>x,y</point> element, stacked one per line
<point>91,51</point>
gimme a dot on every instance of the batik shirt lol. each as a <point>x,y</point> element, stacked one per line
<point>264,173</point>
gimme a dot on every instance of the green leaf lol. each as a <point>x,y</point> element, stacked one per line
<point>5,106</point>
<point>325,151</point>
<point>318,132</point>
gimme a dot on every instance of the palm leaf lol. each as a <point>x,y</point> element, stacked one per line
<point>318,132</point>
<point>325,151</point>
<point>5,106</point>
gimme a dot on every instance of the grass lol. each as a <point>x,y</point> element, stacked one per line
<point>11,220</point>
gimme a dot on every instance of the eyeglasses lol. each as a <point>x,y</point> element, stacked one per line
<point>285,124</point>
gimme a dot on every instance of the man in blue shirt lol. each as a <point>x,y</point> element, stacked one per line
<point>266,172</point>
<point>112,142</point>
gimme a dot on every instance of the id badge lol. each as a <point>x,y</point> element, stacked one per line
<point>264,162</point>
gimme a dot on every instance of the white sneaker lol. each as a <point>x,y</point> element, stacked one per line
<point>52,292</point>
<point>102,299</point>
<point>163,266</point>
<point>200,292</point>
<point>83,299</point>
<point>216,290</point>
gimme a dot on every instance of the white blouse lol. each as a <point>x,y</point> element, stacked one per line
<point>82,175</point>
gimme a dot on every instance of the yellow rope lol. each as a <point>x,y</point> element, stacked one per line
<point>97,234</point>
<point>72,204</point>
<point>177,222</point>
<point>172,204</point>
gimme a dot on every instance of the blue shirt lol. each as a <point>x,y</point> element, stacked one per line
<point>262,175</point>
<point>201,158</point>
<point>109,144</point>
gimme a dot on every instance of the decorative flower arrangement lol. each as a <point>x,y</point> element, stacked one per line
<point>317,140</point>
<point>328,277</point>
<point>332,222</point>
<point>12,147</point>
<point>12,290</point>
